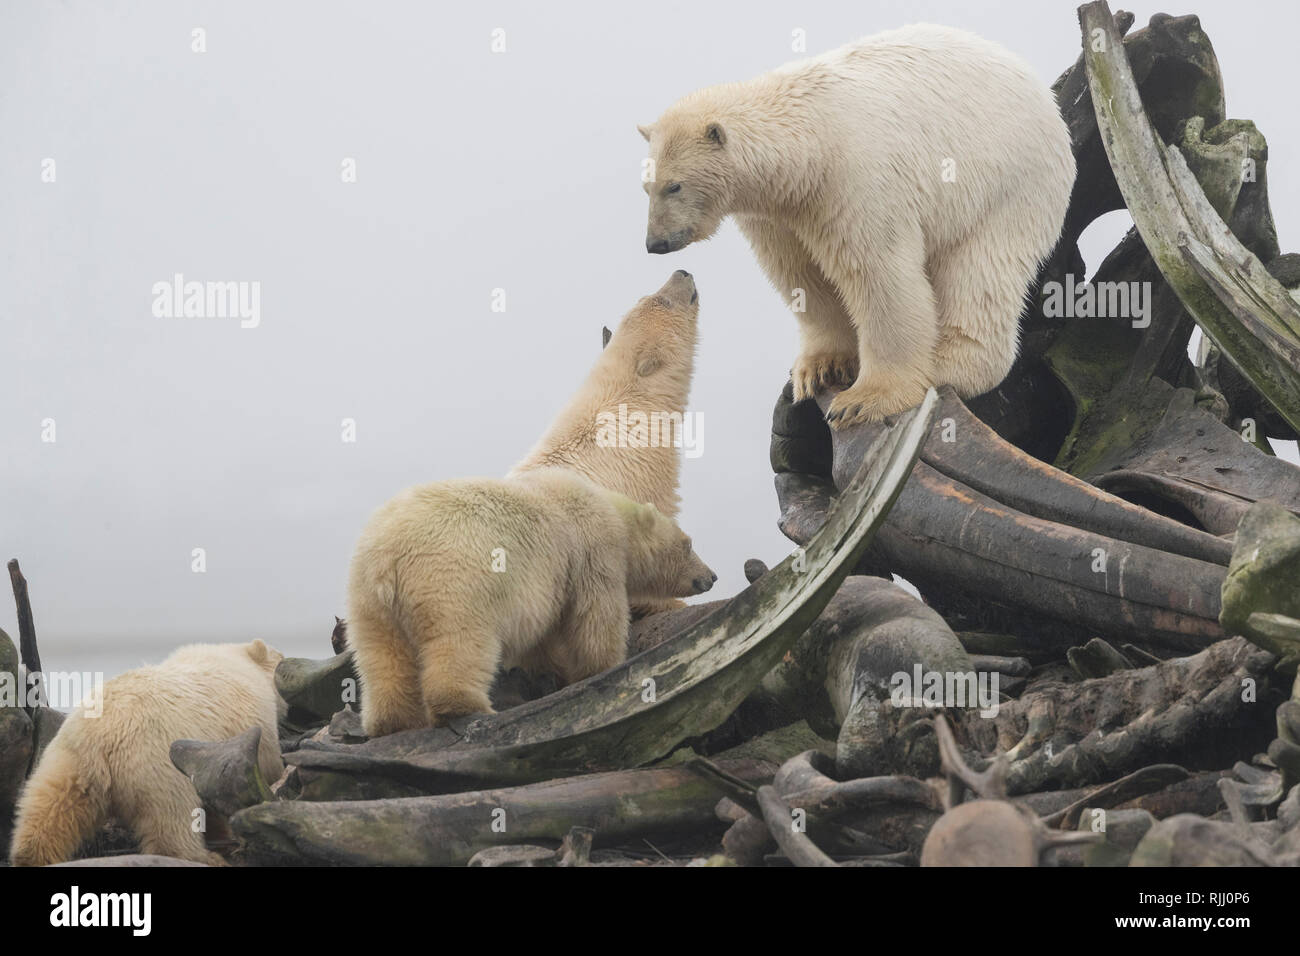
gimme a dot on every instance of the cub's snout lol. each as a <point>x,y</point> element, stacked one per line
<point>704,582</point>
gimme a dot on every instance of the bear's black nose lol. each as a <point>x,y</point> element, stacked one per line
<point>657,246</point>
<point>683,273</point>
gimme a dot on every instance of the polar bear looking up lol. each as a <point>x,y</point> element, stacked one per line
<point>645,370</point>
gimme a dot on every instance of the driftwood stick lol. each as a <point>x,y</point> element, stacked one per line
<point>31,657</point>
<point>27,650</point>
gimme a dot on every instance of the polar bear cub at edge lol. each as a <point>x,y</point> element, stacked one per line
<point>454,579</point>
<point>116,763</point>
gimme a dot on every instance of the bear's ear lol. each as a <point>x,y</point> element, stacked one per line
<point>645,131</point>
<point>649,362</point>
<point>258,651</point>
<point>715,134</point>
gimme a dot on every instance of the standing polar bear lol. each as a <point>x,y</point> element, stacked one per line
<point>117,763</point>
<point>900,191</point>
<point>454,579</point>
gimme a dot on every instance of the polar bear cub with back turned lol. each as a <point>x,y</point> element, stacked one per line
<point>116,763</point>
<point>900,192</point>
<point>453,580</point>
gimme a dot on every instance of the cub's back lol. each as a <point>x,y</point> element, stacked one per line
<point>446,533</point>
<point>192,695</point>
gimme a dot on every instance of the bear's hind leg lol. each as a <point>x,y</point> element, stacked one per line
<point>457,668</point>
<point>390,675</point>
<point>63,803</point>
<point>980,287</point>
<point>164,818</point>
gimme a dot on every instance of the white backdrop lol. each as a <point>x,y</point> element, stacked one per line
<point>475,171</point>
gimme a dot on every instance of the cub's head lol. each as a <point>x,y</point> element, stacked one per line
<point>661,327</point>
<point>661,560</point>
<point>690,186</point>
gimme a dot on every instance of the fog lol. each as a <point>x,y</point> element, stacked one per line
<point>475,171</point>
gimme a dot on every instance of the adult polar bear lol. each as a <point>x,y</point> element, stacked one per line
<point>909,185</point>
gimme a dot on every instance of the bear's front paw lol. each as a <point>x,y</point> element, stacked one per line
<point>866,402</point>
<point>817,370</point>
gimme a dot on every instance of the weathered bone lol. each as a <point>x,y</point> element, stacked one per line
<point>944,532</point>
<point>993,833</point>
<point>449,829</point>
<point>990,830</point>
<point>1261,594</point>
<point>989,783</point>
<point>1187,840</point>
<point>317,689</point>
<point>225,773</point>
<point>1219,281</point>
<point>1187,710</point>
<point>1140,782</point>
<point>797,846</point>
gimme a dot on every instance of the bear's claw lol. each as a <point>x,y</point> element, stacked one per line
<point>811,373</point>
<point>858,405</point>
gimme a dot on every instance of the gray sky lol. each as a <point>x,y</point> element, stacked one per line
<point>475,171</point>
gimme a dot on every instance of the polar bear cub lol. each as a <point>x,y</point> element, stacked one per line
<point>113,760</point>
<point>645,370</point>
<point>452,580</point>
<point>900,193</point>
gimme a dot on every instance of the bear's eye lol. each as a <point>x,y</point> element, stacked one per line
<point>673,188</point>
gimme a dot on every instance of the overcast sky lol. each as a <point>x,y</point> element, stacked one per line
<point>475,171</point>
